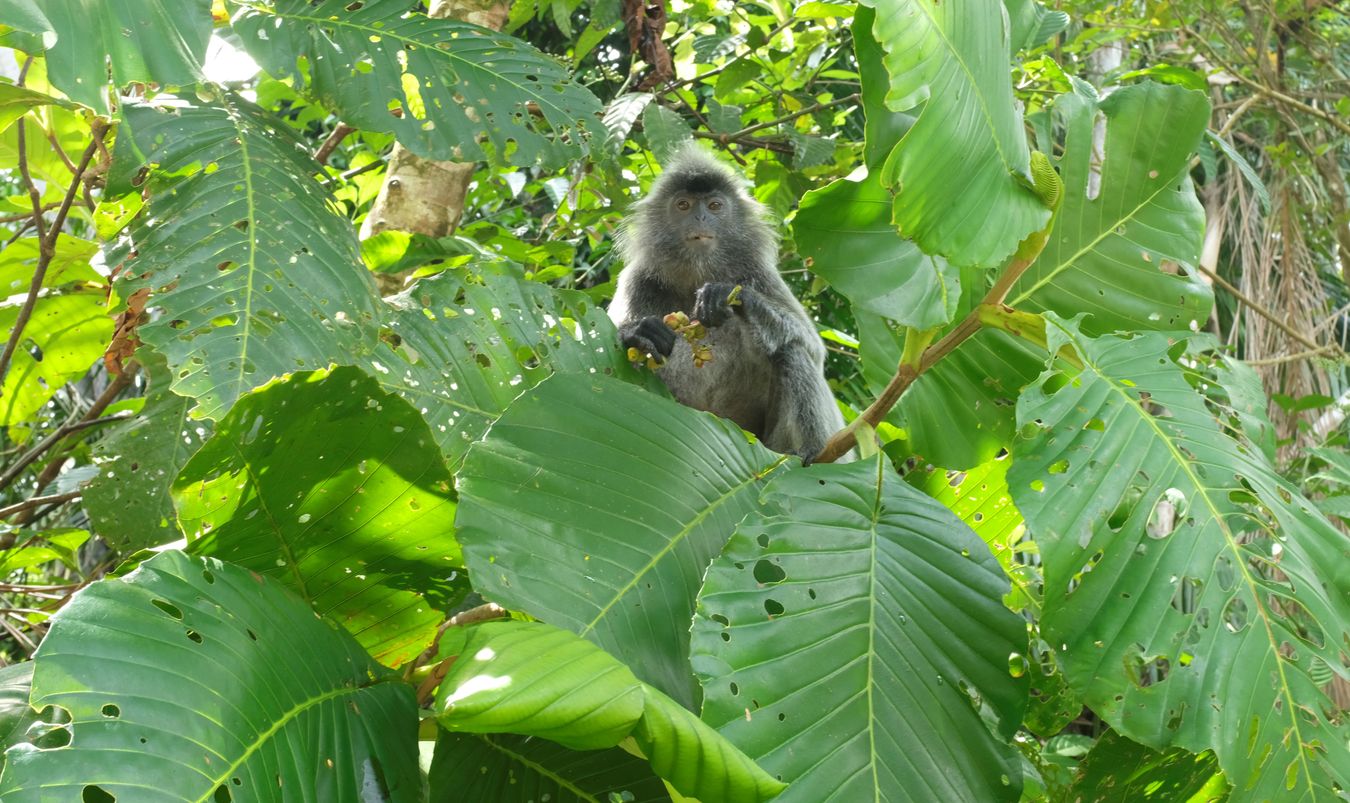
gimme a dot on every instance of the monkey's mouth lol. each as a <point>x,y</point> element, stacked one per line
<point>700,238</point>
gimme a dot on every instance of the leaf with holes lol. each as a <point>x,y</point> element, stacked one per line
<point>252,272</point>
<point>440,86</point>
<point>190,679</point>
<point>1192,588</point>
<point>469,344</point>
<point>146,41</point>
<point>128,502</point>
<point>595,506</point>
<point>504,768</point>
<point>961,173</point>
<point>1118,769</point>
<point>1128,214</point>
<point>852,639</point>
<point>336,488</point>
<point>64,338</point>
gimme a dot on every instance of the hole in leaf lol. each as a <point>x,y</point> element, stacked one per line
<point>96,794</point>
<point>766,573</point>
<point>168,608</point>
<point>195,636</point>
<point>222,794</point>
<point>773,607</point>
<point>111,711</point>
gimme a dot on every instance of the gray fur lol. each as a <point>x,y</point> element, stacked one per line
<point>767,372</point>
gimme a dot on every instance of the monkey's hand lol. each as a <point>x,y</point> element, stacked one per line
<point>716,302</point>
<point>649,335</point>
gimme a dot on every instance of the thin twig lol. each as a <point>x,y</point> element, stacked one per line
<point>482,613</point>
<point>745,132</point>
<point>38,501</point>
<point>911,367</point>
<point>1263,311</point>
<point>1295,357</point>
<point>46,246</point>
<point>329,145</point>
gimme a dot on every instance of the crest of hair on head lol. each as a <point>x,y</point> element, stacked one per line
<point>693,169</point>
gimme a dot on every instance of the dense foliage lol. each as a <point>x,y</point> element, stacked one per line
<point>303,502</point>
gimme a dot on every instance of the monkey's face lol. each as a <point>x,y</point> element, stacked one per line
<point>699,219</point>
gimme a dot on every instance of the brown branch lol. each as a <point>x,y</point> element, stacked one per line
<point>1260,88</point>
<point>777,146</point>
<point>46,244</point>
<point>334,140</point>
<point>38,501</point>
<point>745,132</point>
<point>1263,311</point>
<point>483,613</point>
<point>913,366</point>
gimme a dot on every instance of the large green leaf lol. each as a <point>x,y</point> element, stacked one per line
<point>1192,589</point>
<point>469,344</point>
<point>191,679</point>
<point>845,230</point>
<point>960,173</point>
<point>15,101</point>
<point>595,506</point>
<point>253,273</point>
<point>1106,254</point>
<point>336,488</point>
<point>852,639</point>
<point>538,680</point>
<point>503,768</point>
<point>150,41</point>
<point>452,83</point>
<point>128,502</point>
<point>696,760</point>
<point>883,127</point>
<point>64,338</point>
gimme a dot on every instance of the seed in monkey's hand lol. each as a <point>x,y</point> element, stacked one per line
<point>638,358</point>
<point>734,297</point>
<point>702,354</point>
<point>676,320</point>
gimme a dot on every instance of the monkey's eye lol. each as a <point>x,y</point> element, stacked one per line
<point>714,205</point>
<point>683,204</point>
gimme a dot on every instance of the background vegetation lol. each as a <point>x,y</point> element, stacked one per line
<point>323,476</point>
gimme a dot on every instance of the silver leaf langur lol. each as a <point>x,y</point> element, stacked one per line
<point>697,236</point>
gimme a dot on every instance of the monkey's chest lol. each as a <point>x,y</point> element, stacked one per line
<point>736,384</point>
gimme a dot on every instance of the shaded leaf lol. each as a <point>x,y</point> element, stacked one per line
<point>595,506</point>
<point>504,768</point>
<point>128,502</point>
<point>851,638</point>
<point>336,488</point>
<point>455,84</point>
<point>190,676</point>
<point>1118,769</point>
<point>150,41</point>
<point>469,344</point>
<point>253,273</point>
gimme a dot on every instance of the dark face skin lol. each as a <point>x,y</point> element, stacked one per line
<point>698,218</point>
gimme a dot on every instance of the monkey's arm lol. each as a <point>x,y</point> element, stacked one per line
<point>777,320</point>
